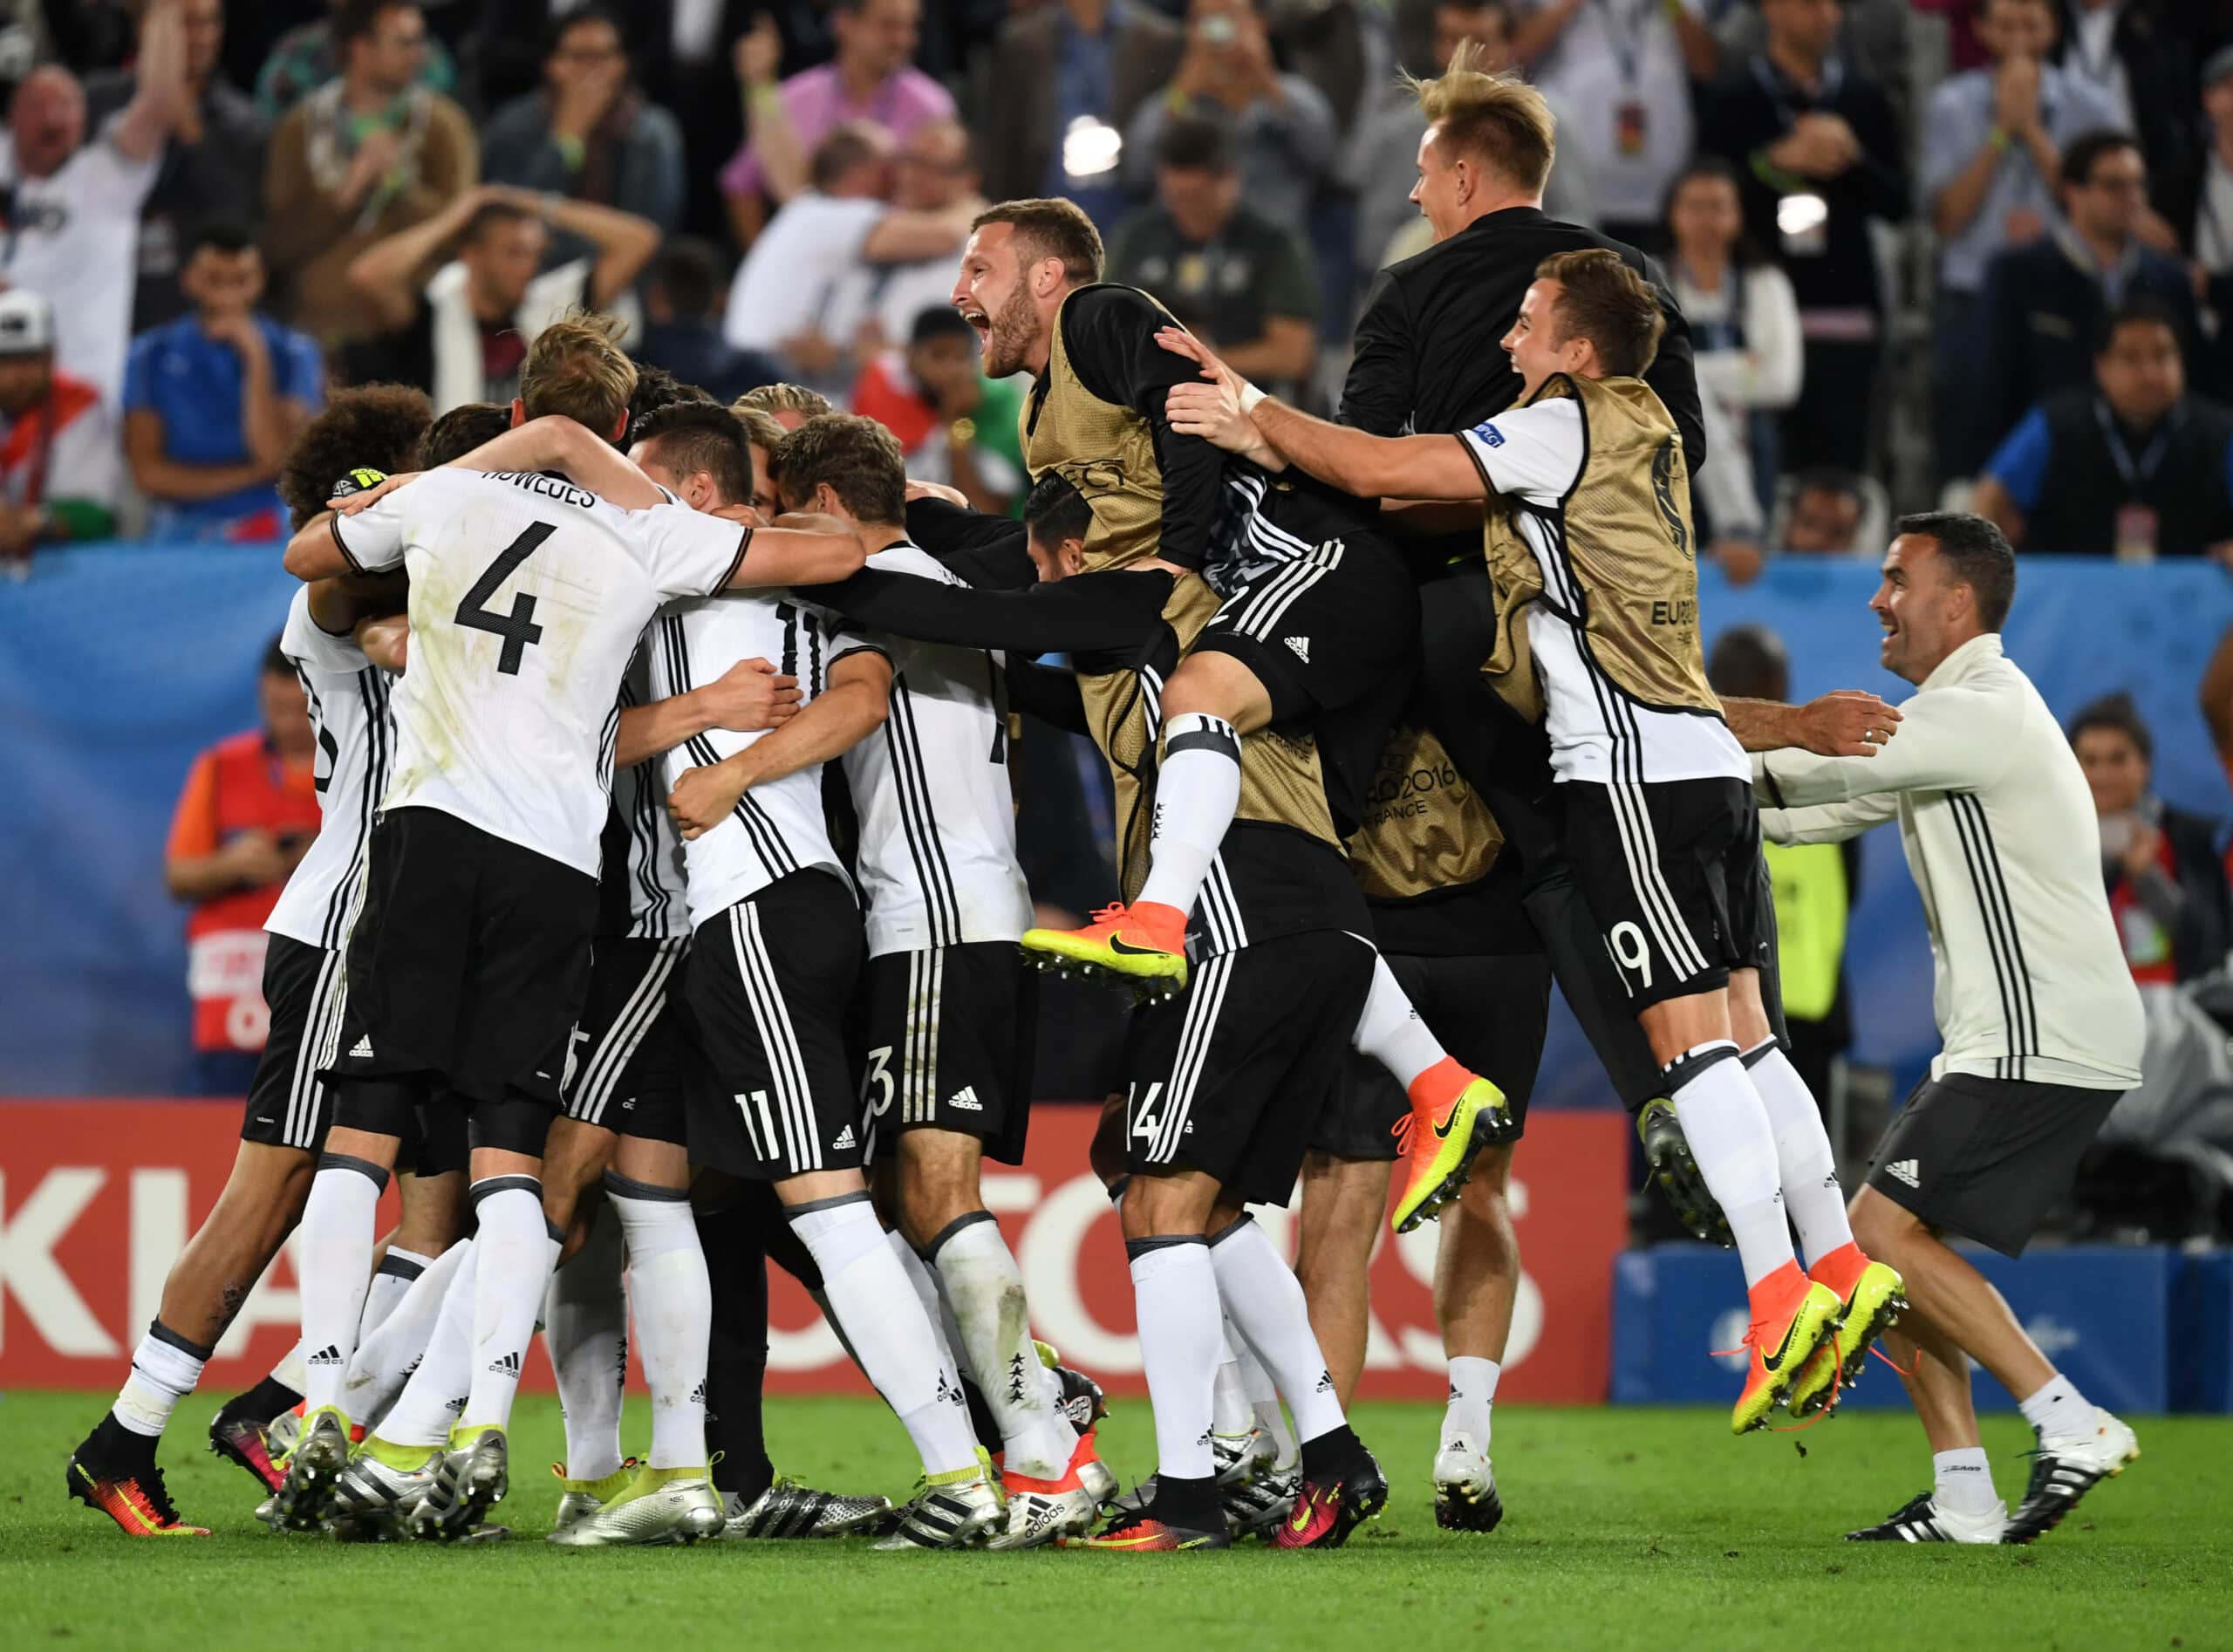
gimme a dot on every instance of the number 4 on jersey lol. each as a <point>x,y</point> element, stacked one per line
<point>517,628</point>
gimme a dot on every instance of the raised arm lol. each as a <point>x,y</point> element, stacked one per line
<point>554,442</point>
<point>625,242</point>
<point>159,97</point>
<point>1114,609</point>
<point>851,708</point>
<point>797,555</point>
<point>386,274</point>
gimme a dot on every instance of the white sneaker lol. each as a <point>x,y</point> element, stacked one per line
<point>1921,1520</point>
<point>2065,1470</point>
<point>1465,1488</point>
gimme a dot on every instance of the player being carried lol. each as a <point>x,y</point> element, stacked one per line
<point>1589,543</point>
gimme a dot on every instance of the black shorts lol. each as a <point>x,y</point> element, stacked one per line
<point>770,1094</point>
<point>469,961</point>
<point>624,1072</point>
<point>948,1035</point>
<point>1671,873</point>
<point>1488,1011</point>
<point>1987,1157</point>
<point>1229,1076</point>
<point>306,989</point>
<point>442,1143</point>
<point>1323,629</point>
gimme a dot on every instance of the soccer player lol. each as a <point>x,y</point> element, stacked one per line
<point>1319,629</point>
<point>481,896</point>
<point>114,1469</point>
<point>948,1007</point>
<point>2041,1022</point>
<point>1588,538</point>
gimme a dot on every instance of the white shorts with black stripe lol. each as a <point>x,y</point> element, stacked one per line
<point>306,988</point>
<point>947,1038</point>
<point>1671,870</point>
<point>623,1071</point>
<point>1229,1076</point>
<point>770,1089</point>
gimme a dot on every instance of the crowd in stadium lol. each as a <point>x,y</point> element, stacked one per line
<point>1919,244</point>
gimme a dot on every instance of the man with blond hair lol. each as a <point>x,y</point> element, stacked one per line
<point>528,594</point>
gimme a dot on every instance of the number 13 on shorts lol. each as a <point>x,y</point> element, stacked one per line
<point>1631,955</point>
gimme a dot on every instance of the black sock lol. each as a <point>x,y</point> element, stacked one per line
<point>778,1241</point>
<point>113,1443</point>
<point>1192,1504</point>
<point>736,1356</point>
<point>1327,1457</point>
<point>981,1419</point>
<point>261,1404</point>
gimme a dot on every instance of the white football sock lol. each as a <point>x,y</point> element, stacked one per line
<point>1175,1293</point>
<point>1962,1481</point>
<point>1229,1412</point>
<point>1263,1298</point>
<point>1263,1395</point>
<point>290,1373</point>
<point>672,1297</point>
<point>978,1277</point>
<point>165,1368</point>
<point>1472,1391</point>
<point>434,1394</point>
<point>935,1309</point>
<point>398,1269</point>
<point>333,1261</point>
<point>1391,1030</point>
<point>517,1253</point>
<point>891,1335</point>
<point>386,1356</point>
<point>1196,791</point>
<point>585,1333</point>
<point>1807,1167</point>
<point>1726,1125</point>
<point>2058,1411</point>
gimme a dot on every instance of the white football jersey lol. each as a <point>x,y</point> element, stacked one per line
<point>777,828</point>
<point>937,861</point>
<point>1536,455</point>
<point>641,889</point>
<point>349,713</point>
<point>527,598</point>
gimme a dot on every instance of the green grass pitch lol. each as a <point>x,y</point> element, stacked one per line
<point>1634,1529</point>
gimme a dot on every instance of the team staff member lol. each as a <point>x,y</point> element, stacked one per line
<point>2040,1021</point>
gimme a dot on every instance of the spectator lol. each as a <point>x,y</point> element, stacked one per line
<point>2212,223</point>
<point>509,43</point>
<point>1057,91</point>
<point>1821,156</point>
<point>58,476</point>
<point>1227,271</point>
<point>2133,465</point>
<point>2045,304</point>
<point>461,333</point>
<point>311,54</point>
<point>1743,317</point>
<point>796,293</point>
<point>1877,37</point>
<point>1814,884</point>
<point>681,300</point>
<point>588,133</point>
<point>1827,508</point>
<point>211,166</point>
<point>955,426</point>
<point>935,177</point>
<point>872,79</point>
<point>1625,66</point>
<point>213,400</point>
<point>364,157</point>
<point>2144,57</point>
<point>246,817</point>
<point>1389,227</point>
<point>1284,127</point>
<point>72,207</point>
<point>1992,145</point>
<point>2164,867</point>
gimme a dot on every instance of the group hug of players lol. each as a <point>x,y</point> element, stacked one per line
<point>666,915</point>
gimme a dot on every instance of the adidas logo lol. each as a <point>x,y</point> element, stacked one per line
<point>456,1407</point>
<point>329,1355</point>
<point>697,1395</point>
<point>505,1365</point>
<point>965,1100</point>
<point>1302,647</point>
<point>362,1049</point>
<point>844,1139</point>
<point>1905,1170</point>
<point>1325,1383</point>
